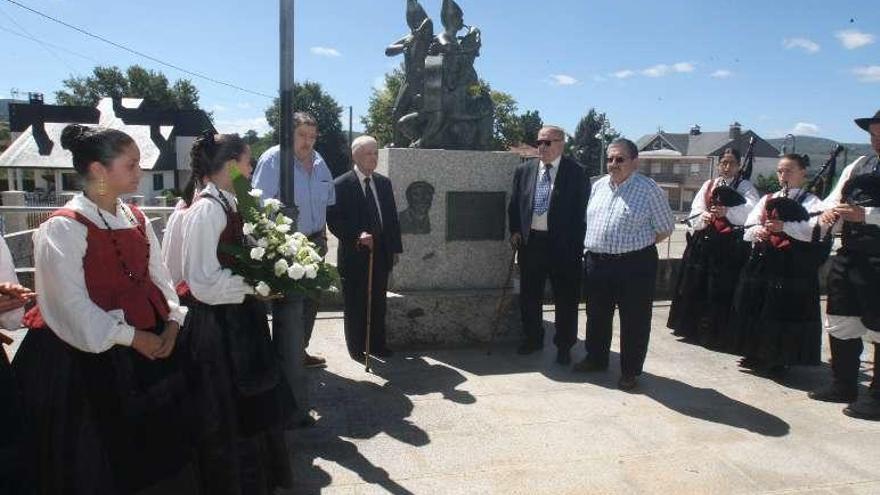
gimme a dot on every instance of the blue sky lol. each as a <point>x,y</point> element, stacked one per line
<point>777,66</point>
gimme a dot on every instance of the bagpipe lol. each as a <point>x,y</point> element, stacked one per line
<point>789,209</point>
<point>726,195</point>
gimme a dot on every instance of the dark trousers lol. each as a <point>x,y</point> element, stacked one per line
<point>627,283</point>
<point>537,262</point>
<point>354,291</point>
<point>310,306</point>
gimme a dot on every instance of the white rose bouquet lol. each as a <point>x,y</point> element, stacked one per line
<point>274,259</point>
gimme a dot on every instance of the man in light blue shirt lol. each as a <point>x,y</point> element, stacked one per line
<point>313,192</point>
<point>626,216</point>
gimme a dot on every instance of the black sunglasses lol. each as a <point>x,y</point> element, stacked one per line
<point>546,142</point>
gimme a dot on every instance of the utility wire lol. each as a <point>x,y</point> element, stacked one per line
<point>25,34</point>
<point>139,53</point>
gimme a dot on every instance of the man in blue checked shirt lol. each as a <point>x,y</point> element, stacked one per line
<point>627,215</point>
<point>313,192</point>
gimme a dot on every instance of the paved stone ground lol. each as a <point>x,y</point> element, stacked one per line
<point>461,422</point>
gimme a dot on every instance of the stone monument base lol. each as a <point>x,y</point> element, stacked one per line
<point>452,318</point>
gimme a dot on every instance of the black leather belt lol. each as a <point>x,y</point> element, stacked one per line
<point>539,234</point>
<point>618,256</point>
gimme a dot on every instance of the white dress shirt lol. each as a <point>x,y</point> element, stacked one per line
<point>539,222</point>
<point>59,247</point>
<point>802,231</point>
<point>172,243</point>
<point>872,214</point>
<point>203,223</point>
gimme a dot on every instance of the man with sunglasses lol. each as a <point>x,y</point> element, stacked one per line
<point>628,214</point>
<point>546,216</point>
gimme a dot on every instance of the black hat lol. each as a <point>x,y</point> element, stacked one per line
<point>867,121</point>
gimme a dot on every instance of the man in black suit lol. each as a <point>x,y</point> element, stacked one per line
<point>546,215</point>
<point>364,219</point>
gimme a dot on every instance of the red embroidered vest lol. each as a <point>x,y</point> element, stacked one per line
<point>232,234</point>
<point>109,285</point>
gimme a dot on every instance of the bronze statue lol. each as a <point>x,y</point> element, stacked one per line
<point>441,103</point>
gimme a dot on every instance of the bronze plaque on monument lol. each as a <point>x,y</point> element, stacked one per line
<point>476,216</point>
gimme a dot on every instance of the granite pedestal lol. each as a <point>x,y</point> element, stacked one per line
<point>448,282</point>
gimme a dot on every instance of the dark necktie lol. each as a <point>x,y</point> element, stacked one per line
<point>375,219</point>
<point>542,193</point>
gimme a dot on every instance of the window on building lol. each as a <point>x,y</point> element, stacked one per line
<point>695,169</point>
<point>69,182</point>
<point>656,168</point>
<point>158,182</point>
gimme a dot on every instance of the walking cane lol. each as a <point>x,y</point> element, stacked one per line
<point>369,309</point>
<point>500,306</point>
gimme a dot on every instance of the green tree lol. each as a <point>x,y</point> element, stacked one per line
<point>531,123</point>
<point>378,122</point>
<point>767,185</point>
<point>507,128</point>
<point>250,137</point>
<point>586,147</point>
<point>332,143</point>
<point>135,82</point>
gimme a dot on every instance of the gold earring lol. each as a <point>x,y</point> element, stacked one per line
<point>102,189</point>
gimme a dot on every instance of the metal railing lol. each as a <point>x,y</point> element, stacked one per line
<point>35,215</point>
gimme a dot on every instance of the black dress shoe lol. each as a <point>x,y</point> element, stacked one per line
<point>563,357</point>
<point>357,356</point>
<point>588,366</point>
<point>835,393</point>
<point>627,383</point>
<point>383,353</point>
<point>527,348</point>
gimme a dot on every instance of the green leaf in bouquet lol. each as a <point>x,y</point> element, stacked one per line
<point>247,204</point>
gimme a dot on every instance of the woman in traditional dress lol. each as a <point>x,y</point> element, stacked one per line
<point>101,389</point>
<point>235,380</point>
<point>714,255</point>
<point>776,312</point>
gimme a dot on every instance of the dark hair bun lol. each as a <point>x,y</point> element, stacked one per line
<point>72,136</point>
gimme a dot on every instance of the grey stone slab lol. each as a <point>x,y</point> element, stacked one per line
<point>459,421</point>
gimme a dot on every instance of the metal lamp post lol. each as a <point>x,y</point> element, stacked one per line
<point>287,314</point>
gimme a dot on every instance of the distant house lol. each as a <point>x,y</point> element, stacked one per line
<point>681,162</point>
<point>35,161</point>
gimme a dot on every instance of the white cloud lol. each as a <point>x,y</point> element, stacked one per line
<point>245,105</point>
<point>323,51</point>
<point>721,74</point>
<point>379,83</point>
<point>853,39</point>
<point>868,73</point>
<point>808,46</point>
<point>683,67</point>
<point>805,129</point>
<point>658,70</point>
<point>218,108</point>
<point>562,80</point>
<point>242,125</point>
<point>624,74</point>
